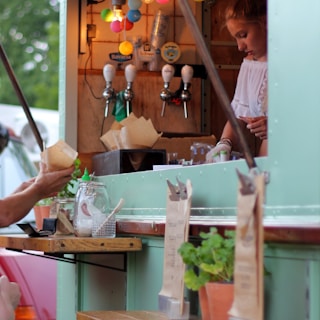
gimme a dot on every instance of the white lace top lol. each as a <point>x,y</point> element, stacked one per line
<point>250,98</point>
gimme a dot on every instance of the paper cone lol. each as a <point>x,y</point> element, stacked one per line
<point>59,156</point>
<point>111,140</point>
<point>131,133</point>
<point>127,121</point>
<point>139,134</point>
<point>116,126</point>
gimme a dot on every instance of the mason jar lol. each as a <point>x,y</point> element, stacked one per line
<point>62,205</point>
<point>92,207</point>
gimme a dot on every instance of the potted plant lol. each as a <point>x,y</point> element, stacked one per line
<point>70,189</point>
<point>210,266</point>
<point>64,201</point>
<point>44,207</point>
<point>42,210</point>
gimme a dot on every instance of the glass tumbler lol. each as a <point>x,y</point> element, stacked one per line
<point>63,205</point>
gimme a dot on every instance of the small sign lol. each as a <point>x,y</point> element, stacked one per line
<point>170,52</point>
<point>117,56</point>
<point>146,52</point>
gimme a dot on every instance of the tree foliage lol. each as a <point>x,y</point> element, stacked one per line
<point>29,34</point>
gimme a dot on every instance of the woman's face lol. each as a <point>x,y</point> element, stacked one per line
<point>251,37</point>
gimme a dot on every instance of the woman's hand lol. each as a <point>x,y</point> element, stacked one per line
<point>221,146</point>
<point>257,126</point>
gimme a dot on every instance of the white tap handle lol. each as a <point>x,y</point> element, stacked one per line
<point>186,74</point>
<point>167,73</point>
<point>130,72</point>
<point>109,71</point>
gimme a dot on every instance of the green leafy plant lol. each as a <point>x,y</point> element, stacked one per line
<point>45,202</point>
<point>211,261</point>
<point>69,190</point>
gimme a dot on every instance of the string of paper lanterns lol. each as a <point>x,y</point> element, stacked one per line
<point>120,22</point>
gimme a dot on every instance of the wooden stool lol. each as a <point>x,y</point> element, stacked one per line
<point>121,315</point>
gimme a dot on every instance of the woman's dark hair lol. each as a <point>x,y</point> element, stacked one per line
<point>4,137</point>
<point>245,9</point>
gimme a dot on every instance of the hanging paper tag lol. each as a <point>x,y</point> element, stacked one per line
<point>177,232</point>
<point>248,272</point>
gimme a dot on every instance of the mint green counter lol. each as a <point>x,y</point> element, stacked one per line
<point>292,253</point>
<point>292,206</point>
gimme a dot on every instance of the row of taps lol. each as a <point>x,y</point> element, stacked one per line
<point>167,96</point>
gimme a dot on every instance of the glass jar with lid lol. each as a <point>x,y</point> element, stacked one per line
<point>92,206</point>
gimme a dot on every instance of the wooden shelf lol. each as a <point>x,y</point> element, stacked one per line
<point>282,233</point>
<point>70,244</point>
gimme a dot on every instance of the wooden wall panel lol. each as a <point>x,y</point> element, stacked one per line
<point>146,103</point>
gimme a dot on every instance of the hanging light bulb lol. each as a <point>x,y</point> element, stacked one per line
<point>147,1</point>
<point>125,48</point>
<point>116,25</point>
<point>118,3</point>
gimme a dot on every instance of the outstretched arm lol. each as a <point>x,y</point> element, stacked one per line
<point>15,206</point>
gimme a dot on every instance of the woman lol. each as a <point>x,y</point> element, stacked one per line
<point>246,21</point>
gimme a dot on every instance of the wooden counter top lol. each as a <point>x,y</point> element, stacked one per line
<point>126,242</point>
<point>282,233</point>
<point>70,244</point>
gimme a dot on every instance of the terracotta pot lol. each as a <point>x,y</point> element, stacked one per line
<point>204,303</point>
<point>220,298</point>
<point>41,212</point>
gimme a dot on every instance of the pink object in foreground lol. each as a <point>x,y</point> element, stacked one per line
<point>9,298</point>
<point>36,277</point>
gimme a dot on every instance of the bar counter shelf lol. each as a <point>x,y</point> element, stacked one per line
<point>70,244</point>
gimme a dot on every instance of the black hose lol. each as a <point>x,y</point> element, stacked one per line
<point>21,97</point>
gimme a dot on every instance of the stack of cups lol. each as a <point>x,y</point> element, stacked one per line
<point>158,38</point>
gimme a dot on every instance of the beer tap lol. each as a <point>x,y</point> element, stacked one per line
<point>109,72</point>
<point>165,95</point>
<point>130,74</point>
<point>186,74</point>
